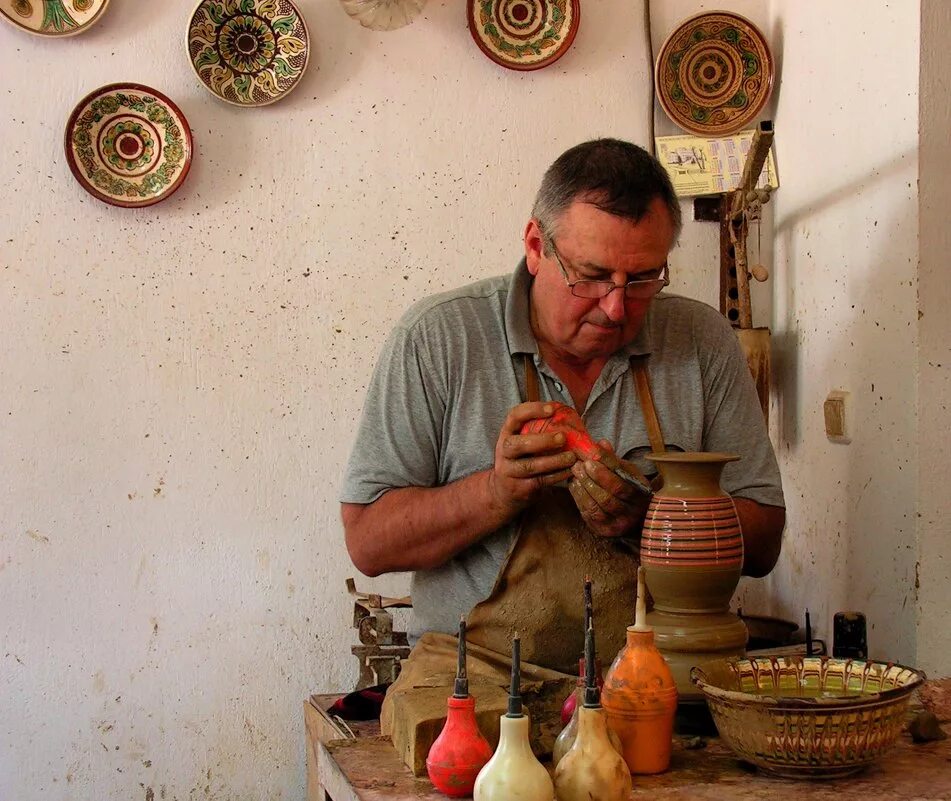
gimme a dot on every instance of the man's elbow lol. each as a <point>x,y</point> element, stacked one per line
<point>358,546</point>
<point>362,557</point>
<point>761,565</point>
<point>769,542</point>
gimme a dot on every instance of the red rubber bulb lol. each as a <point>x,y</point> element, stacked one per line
<point>459,752</point>
<point>568,708</point>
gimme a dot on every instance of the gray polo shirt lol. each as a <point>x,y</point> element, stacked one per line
<point>453,368</point>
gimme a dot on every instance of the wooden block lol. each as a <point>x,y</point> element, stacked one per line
<point>420,712</point>
<point>320,729</point>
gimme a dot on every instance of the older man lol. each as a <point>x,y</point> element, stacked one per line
<point>441,482</point>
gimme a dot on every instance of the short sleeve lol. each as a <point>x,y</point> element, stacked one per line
<point>733,419</point>
<point>397,443</point>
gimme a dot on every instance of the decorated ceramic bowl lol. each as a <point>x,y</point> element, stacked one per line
<point>56,18</point>
<point>807,717</point>
<point>248,52</point>
<point>524,34</point>
<point>714,74</point>
<point>383,15</point>
<point>128,145</point>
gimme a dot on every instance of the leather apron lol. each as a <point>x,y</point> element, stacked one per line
<point>538,592</point>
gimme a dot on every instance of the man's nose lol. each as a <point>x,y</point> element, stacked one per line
<point>612,305</point>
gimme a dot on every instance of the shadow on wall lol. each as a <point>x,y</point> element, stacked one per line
<point>784,336</point>
<point>850,539</point>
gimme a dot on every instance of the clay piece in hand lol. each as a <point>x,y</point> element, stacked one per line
<point>567,421</point>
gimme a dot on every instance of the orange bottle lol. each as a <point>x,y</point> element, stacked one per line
<point>640,697</point>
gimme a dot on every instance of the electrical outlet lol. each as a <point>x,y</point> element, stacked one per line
<point>837,411</point>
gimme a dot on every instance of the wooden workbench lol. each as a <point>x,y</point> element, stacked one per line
<point>365,767</point>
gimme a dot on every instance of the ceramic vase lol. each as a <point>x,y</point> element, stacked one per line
<point>692,553</point>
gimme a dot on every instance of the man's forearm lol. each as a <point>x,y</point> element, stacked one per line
<point>762,535</point>
<point>415,528</point>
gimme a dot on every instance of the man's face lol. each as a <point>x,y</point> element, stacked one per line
<point>594,245</point>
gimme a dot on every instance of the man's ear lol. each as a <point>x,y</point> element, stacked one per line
<point>534,245</point>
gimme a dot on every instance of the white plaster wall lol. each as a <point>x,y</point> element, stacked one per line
<point>180,384</point>
<point>845,309</point>
<point>934,332</point>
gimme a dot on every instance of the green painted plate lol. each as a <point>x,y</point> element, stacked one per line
<point>128,145</point>
<point>524,34</point>
<point>56,18</point>
<point>248,52</point>
<point>714,74</point>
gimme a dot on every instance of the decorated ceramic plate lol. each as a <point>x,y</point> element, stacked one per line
<point>714,73</point>
<point>53,17</point>
<point>128,145</point>
<point>383,15</point>
<point>248,52</point>
<point>524,34</point>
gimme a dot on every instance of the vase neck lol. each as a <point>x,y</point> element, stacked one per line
<point>691,479</point>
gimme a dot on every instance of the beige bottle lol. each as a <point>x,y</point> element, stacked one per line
<point>514,773</point>
<point>593,768</point>
<point>566,738</point>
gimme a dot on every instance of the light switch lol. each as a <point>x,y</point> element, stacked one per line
<point>837,412</point>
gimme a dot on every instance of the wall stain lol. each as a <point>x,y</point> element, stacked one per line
<point>39,537</point>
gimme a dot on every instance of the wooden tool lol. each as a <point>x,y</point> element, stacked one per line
<point>734,268</point>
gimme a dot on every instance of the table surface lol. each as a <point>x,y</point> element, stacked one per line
<point>367,768</point>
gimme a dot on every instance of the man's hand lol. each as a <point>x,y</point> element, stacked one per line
<point>609,505</point>
<point>527,463</point>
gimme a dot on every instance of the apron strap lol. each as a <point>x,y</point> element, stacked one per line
<point>531,378</point>
<point>643,383</point>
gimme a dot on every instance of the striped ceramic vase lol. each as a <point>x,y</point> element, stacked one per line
<point>692,552</point>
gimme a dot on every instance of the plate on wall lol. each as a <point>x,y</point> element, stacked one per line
<point>524,34</point>
<point>248,52</point>
<point>128,145</point>
<point>53,17</point>
<point>383,15</point>
<point>714,73</point>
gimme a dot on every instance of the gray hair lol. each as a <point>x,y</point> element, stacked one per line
<point>617,177</point>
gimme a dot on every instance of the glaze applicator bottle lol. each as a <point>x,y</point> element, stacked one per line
<point>460,751</point>
<point>514,773</point>
<point>640,697</point>
<point>566,738</point>
<point>593,768</point>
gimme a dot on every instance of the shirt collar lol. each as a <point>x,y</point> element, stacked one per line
<point>518,320</point>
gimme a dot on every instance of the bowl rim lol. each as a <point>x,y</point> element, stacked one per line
<point>699,677</point>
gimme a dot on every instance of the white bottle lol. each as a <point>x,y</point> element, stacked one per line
<point>514,772</point>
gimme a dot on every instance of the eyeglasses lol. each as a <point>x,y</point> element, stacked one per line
<point>590,289</point>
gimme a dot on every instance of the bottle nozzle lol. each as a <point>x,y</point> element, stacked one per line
<point>515,690</point>
<point>640,614</point>
<point>461,689</point>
